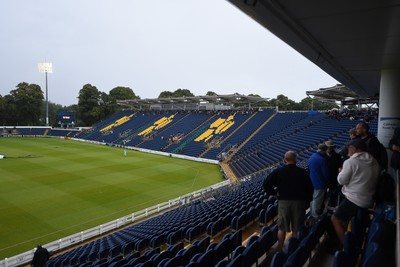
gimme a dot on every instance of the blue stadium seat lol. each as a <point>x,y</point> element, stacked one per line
<point>291,245</point>
<point>278,260</point>
<point>298,257</point>
<point>372,255</point>
<point>206,259</point>
<point>342,259</point>
<point>250,254</point>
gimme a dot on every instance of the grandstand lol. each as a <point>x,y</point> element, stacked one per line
<point>21,131</point>
<point>355,42</point>
<point>233,223</point>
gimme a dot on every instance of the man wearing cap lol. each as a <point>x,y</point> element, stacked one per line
<point>319,176</point>
<point>359,177</point>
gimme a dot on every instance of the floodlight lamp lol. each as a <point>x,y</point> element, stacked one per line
<point>45,67</point>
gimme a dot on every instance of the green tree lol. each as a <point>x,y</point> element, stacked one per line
<point>178,93</point>
<point>107,106</point>
<point>123,93</point>
<point>306,103</point>
<point>211,93</point>
<point>117,93</point>
<point>89,111</point>
<point>53,111</point>
<point>309,103</point>
<point>9,116</point>
<point>182,92</point>
<point>166,94</point>
<point>283,103</point>
<point>24,105</point>
<point>2,110</point>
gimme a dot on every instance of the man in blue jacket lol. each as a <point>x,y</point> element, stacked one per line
<point>319,176</point>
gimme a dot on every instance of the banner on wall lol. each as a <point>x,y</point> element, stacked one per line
<point>386,128</point>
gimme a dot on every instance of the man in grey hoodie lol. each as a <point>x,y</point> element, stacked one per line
<point>359,177</point>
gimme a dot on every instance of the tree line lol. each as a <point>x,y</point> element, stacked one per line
<point>25,105</point>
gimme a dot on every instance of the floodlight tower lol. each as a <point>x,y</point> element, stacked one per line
<point>46,68</point>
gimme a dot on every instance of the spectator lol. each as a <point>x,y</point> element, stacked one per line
<point>353,135</point>
<point>292,186</point>
<point>394,145</point>
<point>334,162</point>
<point>40,257</point>
<point>319,175</point>
<point>373,144</point>
<point>359,177</point>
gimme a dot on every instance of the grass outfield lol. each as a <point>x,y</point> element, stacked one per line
<point>51,188</point>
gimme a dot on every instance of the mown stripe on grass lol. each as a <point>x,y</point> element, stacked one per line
<point>66,187</point>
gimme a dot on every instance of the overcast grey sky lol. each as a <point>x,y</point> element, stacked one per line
<point>149,46</point>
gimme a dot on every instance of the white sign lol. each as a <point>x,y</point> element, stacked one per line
<point>386,129</point>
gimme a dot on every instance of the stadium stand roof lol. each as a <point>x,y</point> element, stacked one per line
<point>341,93</point>
<point>220,99</point>
<point>350,40</point>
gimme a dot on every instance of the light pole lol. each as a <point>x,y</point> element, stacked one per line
<point>46,68</point>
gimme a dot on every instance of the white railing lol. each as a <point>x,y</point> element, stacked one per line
<point>75,239</point>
